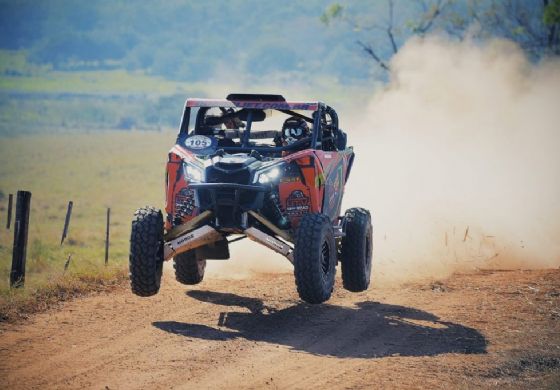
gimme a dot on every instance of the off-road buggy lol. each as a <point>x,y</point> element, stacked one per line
<point>229,178</point>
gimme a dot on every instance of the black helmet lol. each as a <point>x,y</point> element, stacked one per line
<point>294,129</point>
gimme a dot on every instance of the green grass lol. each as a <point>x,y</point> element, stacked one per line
<point>51,114</point>
<point>35,99</point>
<point>107,82</point>
<point>121,170</point>
<point>18,75</point>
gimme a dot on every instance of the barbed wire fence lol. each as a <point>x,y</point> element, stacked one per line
<point>21,234</point>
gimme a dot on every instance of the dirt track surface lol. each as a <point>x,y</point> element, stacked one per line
<point>489,329</point>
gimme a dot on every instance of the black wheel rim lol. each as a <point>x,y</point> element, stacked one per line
<point>325,257</point>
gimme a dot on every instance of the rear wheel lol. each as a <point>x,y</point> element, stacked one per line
<point>189,269</point>
<point>356,253</point>
<point>315,258</point>
<point>146,251</point>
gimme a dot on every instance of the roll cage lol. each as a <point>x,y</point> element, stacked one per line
<point>326,135</point>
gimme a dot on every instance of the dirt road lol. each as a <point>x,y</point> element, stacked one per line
<point>489,329</point>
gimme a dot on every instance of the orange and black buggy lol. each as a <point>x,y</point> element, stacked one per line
<point>261,167</point>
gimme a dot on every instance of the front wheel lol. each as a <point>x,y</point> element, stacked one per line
<point>146,251</point>
<point>356,250</point>
<point>315,258</point>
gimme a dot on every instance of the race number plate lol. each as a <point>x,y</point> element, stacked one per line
<point>200,144</point>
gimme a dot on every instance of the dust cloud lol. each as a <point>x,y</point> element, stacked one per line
<point>458,159</point>
<point>248,258</point>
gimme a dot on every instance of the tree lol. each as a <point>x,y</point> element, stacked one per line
<point>535,25</point>
<point>551,18</point>
<point>388,30</point>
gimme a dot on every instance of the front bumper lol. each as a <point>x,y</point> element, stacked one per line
<point>229,200</point>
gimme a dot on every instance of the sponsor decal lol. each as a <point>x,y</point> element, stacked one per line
<point>333,190</point>
<point>253,104</point>
<point>288,179</point>
<point>184,203</point>
<point>277,105</point>
<point>274,243</point>
<point>334,187</point>
<point>319,180</point>
<point>297,204</point>
<point>182,240</point>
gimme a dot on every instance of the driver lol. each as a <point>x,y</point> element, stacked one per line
<point>293,130</point>
<point>231,121</point>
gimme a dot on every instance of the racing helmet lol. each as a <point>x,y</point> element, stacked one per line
<point>294,129</point>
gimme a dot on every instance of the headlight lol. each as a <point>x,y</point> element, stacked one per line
<point>193,173</point>
<point>269,175</point>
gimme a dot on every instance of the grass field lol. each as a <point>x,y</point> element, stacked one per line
<point>37,99</point>
<point>17,74</point>
<point>121,170</point>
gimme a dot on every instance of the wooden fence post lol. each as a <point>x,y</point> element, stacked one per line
<point>21,230</point>
<point>67,221</point>
<point>10,202</point>
<point>107,236</point>
<point>66,264</point>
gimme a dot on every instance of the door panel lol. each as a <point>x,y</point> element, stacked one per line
<point>334,167</point>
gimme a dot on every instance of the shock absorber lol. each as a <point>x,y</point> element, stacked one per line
<point>276,210</point>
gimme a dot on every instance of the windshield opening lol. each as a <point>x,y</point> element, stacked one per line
<point>238,129</point>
